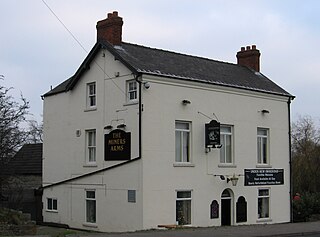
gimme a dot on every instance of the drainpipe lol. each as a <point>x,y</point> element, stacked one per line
<point>290,159</point>
<point>140,112</point>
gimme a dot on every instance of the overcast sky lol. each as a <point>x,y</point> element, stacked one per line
<point>37,52</point>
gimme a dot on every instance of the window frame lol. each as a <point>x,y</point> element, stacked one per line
<point>182,132</point>
<point>133,91</point>
<point>53,208</point>
<point>179,199</point>
<point>91,147</point>
<point>223,136</point>
<point>263,197</point>
<point>263,157</point>
<point>91,96</point>
<point>91,200</point>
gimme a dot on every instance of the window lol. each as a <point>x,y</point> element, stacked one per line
<point>52,204</point>
<point>182,141</point>
<point>132,92</point>
<point>262,143</point>
<point>241,208</point>
<point>91,146</point>
<point>263,203</point>
<point>91,206</point>
<point>91,95</point>
<point>132,196</point>
<point>226,142</point>
<point>183,208</point>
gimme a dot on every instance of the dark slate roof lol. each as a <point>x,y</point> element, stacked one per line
<point>145,60</point>
<point>28,160</point>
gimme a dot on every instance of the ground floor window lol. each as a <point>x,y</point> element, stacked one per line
<point>241,207</point>
<point>52,204</point>
<point>263,203</point>
<point>91,206</point>
<point>183,208</point>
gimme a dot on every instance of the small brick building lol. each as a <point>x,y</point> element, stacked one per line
<point>23,179</point>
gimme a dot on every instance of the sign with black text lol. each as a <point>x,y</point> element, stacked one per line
<point>212,133</point>
<point>117,145</point>
<point>257,177</point>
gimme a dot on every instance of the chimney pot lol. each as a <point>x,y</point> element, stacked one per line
<point>110,29</point>
<point>249,57</point>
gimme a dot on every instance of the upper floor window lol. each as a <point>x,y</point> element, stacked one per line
<point>132,91</point>
<point>91,146</point>
<point>182,135</point>
<point>226,142</point>
<point>91,95</point>
<point>263,146</point>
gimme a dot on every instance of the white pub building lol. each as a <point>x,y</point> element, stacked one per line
<point>141,138</point>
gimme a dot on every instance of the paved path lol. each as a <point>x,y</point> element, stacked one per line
<point>287,229</point>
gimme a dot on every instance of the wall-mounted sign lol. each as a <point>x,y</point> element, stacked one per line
<point>212,133</point>
<point>257,177</point>
<point>117,145</point>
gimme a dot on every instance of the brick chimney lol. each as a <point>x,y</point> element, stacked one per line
<point>250,57</point>
<point>110,29</point>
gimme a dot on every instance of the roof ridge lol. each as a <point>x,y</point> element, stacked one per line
<point>181,54</point>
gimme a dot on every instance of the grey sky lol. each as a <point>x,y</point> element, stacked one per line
<point>37,52</point>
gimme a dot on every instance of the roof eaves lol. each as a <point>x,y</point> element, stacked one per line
<point>158,73</point>
<point>91,173</point>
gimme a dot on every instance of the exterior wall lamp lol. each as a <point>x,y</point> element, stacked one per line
<point>109,127</point>
<point>234,178</point>
<point>121,125</point>
<point>146,85</point>
<point>264,111</point>
<point>186,102</point>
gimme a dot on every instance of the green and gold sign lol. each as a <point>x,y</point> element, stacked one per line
<point>117,145</point>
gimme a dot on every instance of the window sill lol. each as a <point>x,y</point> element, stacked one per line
<point>183,164</point>
<point>263,166</point>
<point>90,109</point>
<point>262,220</point>
<point>92,225</point>
<point>90,165</point>
<point>134,102</point>
<point>222,165</point>
<point>53,211</point>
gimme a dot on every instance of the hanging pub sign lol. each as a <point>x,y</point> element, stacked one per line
<point>257,177</point>
<point>117,145</point>
<point>212,133</point>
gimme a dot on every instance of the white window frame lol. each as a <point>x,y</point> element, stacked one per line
<point>52,207</point>
<point>223,139</point>
<point>263,155</point>
<point>184,199</point>
<point>263,197</point>
<point>91,200</point>
<point>91,95</point>
<point>180,134</point>
<point>132,93</point>
<point>91,149</point>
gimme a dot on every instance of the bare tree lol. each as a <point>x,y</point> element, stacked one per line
<point>12,136</point>
<point>35,132</point>
<point>306,155</point>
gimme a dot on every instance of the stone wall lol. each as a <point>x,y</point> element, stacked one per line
<point>15,223</point>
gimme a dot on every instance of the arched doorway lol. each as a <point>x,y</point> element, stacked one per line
<point>226,207</point>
